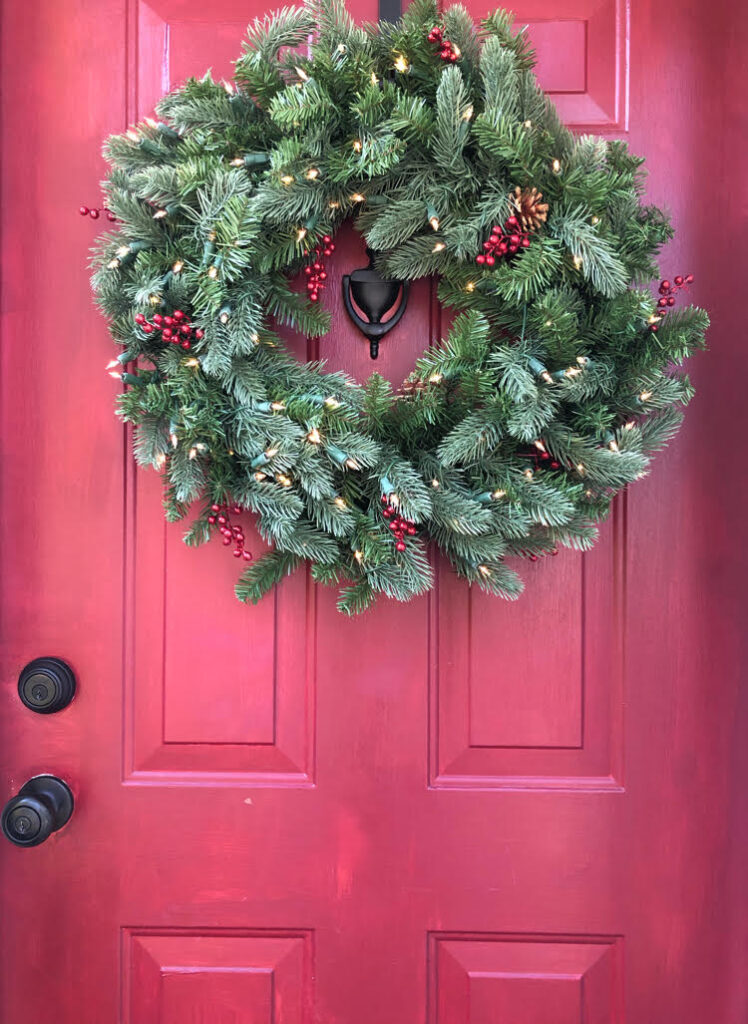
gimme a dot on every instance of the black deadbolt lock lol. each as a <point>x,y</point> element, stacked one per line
<point>46,685</point>
<point>43,805</point>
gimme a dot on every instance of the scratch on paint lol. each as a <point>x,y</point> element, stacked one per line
<point>343,881</point>
<point>351,847</point>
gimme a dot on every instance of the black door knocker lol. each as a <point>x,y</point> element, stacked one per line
<point>375,296</point>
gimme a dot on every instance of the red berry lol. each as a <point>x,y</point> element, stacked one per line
<point>490,260</point>
<point>185,344</point>
<point>166,333</point>
<point>327,251</point>
<point>247,555</point>
<point>199,333</point>
<point>139,318</point>
<point>512,222</point>
<point>110,215</point>
<point>83,211</point>
<point>689,278</point>
<point>653,328</point>
<point>169,321</point>
<point>494,239</point>
<point>211,519</point>
<point>331,247</point>
<point>148,328</point>
<point>236,509</point>
<point>662,301</point>
<point>157,319</point>
<point>480,259</point>
<point>400,546</point>
<point>186,330</point>
<point>307,271</point>
<point>671,301</point>
<point>326,239</point>
<point>178,314</point>
<point>665,285</point>
<point>314,297</point>
<point>323,276</point>
<point>678,281</point>
<point>93,214</point>
<point>525,242</point>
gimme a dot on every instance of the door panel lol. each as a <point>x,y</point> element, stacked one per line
<point>542,707</point>
<point>492,979</point>
<point>583,58</point>
<point>458,811</point>
<point>232,698</point>
<point>232,701</point>
<point>175,977</point>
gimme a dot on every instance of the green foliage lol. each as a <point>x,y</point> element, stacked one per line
<point>220,204</point>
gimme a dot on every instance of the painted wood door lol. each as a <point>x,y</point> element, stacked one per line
<point>453,812</point>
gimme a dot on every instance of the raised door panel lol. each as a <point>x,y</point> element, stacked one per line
<point>527,694</point>
<point>582,48</point>
<point>232,700</point>
<point>221,976</point>
<point>525,979</point>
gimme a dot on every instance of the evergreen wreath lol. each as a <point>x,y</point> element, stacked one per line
<point>557,379</point>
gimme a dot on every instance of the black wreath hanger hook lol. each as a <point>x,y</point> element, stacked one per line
<point>375,296</point>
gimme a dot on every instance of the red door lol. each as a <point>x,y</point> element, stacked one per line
<point>454,812</point>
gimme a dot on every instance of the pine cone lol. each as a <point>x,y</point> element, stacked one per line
<point>529,207</point>
<point>411,386</point>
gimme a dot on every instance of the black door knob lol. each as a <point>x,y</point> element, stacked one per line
<point>43,805</point>
<point>46,685</point>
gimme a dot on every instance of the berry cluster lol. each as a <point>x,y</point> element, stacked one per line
<point>667,295</point>
<point>315,271</point>
<point>542,458</point>
<point>503,242</point>
<point>174,329</point>
<point>447,49</point>
<point>94,212</point>
<point>400,526</point>
<point>533,555</point>
<point>232,533</point>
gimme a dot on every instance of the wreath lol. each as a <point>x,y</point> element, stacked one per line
<point>558,377</point>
